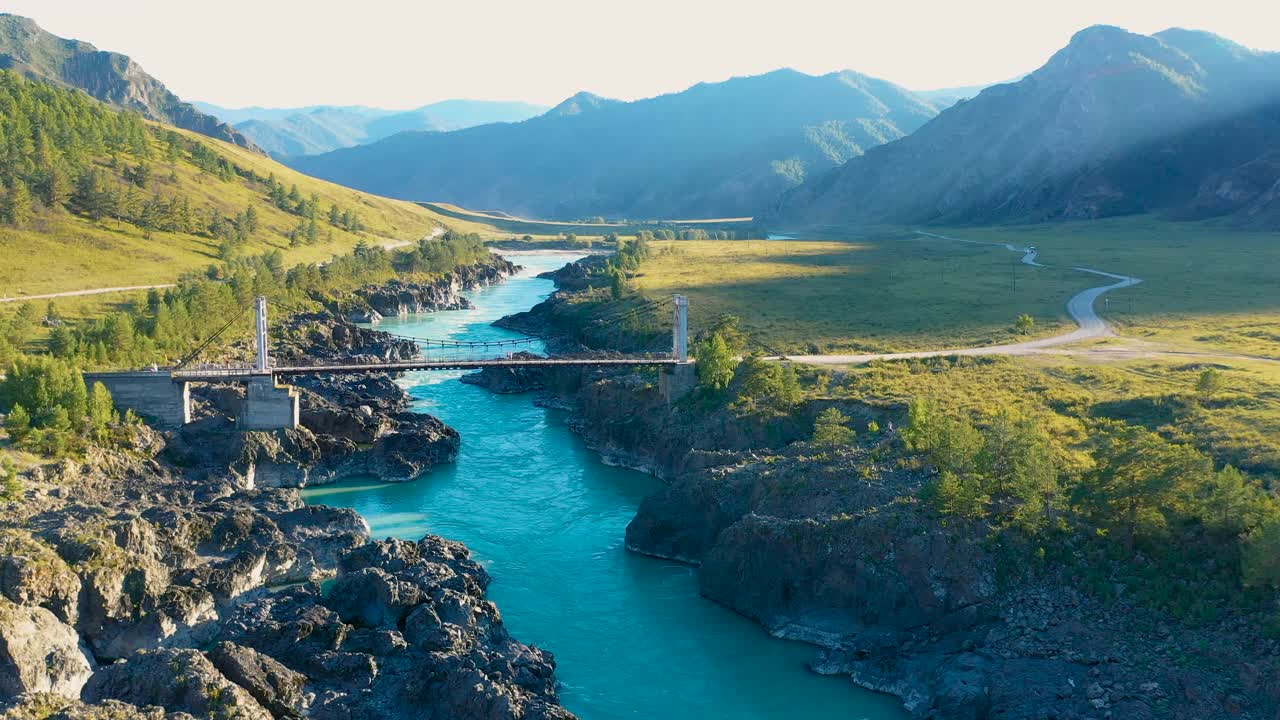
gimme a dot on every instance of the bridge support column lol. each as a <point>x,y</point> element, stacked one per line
<point>155,396</point>
<point>268,406</point>
<point>677,381</point>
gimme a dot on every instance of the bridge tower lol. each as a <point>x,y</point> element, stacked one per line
<point>263,364</point>
<point>680,329</point>
<point>678,381</point>
<point>268,405</point>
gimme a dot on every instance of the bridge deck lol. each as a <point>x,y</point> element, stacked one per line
<point>422,364</point>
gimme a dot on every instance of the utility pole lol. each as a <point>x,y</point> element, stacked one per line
<point>263,364</point>
<point>680,329</point>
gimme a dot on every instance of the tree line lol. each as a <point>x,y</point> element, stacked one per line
<point>1126,504</point>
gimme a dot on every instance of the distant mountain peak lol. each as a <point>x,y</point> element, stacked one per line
<point>582,102</point>
<point>115,79</point>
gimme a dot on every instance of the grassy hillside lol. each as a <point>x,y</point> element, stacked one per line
<point>58,248</point>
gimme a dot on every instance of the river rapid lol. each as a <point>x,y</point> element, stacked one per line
<point>631,636</point>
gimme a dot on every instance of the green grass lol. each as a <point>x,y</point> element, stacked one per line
<point>893,292</point>
<point>1205,287</point>
<point>1239,425</point>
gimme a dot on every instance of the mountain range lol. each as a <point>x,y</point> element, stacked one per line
<point>714,150</point>
<point>322,128</point>
<point>27,49</point>
<point>1183,123</point>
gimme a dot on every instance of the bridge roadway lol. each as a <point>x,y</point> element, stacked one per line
<point>232,374</point>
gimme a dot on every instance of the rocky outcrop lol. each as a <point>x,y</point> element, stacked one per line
<point>40,654</point>
<point>274,686</point>
<point>838,552</point>
<point>405,627</point>
<point>400,297</point>
<point>177,680</point>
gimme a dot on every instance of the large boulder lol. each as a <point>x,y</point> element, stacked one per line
<point>40,654</point>
<point>32,574</point>
<point>275,686</point>
<point>176,680</point>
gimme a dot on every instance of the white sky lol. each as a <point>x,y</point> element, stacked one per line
<point>405,53</point>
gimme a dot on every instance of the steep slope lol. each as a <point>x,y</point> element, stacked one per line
<point>106,199</point>
<point>714,150</point>
<point>322,128</point>
<point>1114,123</point>
<point>110,77</point>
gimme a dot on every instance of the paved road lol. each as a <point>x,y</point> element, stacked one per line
<point>1080,307</point>
<point>77,293</point>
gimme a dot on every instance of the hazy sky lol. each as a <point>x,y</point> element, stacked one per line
<point>404,53</point>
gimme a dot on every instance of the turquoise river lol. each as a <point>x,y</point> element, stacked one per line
<point>631,636</point>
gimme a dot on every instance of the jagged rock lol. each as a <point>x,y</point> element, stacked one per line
<point>32,574</point>
<point>274,686</point>
<point>55,707</point>
<point>40,654</point>
<point>401,298</point>
<point>176,680</point>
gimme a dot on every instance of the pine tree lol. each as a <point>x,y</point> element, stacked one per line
<point>831,430</point>
<point>17,204</point>
<point>102,412</point>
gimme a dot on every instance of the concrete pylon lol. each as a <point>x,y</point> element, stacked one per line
<point>680,329</point>
<point>263,363</point>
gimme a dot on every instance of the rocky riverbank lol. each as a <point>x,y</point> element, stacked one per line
<point>179,578</point>
<point>834,548</point>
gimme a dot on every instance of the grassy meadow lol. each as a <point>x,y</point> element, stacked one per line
<point>896,291</point>
<point>1204,287</point>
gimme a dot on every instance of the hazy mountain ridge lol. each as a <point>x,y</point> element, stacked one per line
<point>113,78</point>
<point>323,128</point>
<point>715,149</point>
<point>1114,123</point>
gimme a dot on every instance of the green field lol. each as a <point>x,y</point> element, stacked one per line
<point>1204,287</point>
<point>493,221</point>
<point>894,292</point>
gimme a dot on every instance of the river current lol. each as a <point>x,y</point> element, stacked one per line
<point>631,636</point>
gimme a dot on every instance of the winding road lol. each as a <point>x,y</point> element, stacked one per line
<point>1080,307</point>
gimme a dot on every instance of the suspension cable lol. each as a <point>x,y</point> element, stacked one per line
<point>194,353</point>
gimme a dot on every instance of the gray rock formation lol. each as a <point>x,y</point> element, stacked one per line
<point>40,654</point>
<point>177,680</point>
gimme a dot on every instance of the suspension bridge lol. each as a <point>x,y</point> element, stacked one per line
<point>164,395</point>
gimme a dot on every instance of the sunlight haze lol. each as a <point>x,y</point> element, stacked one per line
<point>401,54</point>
